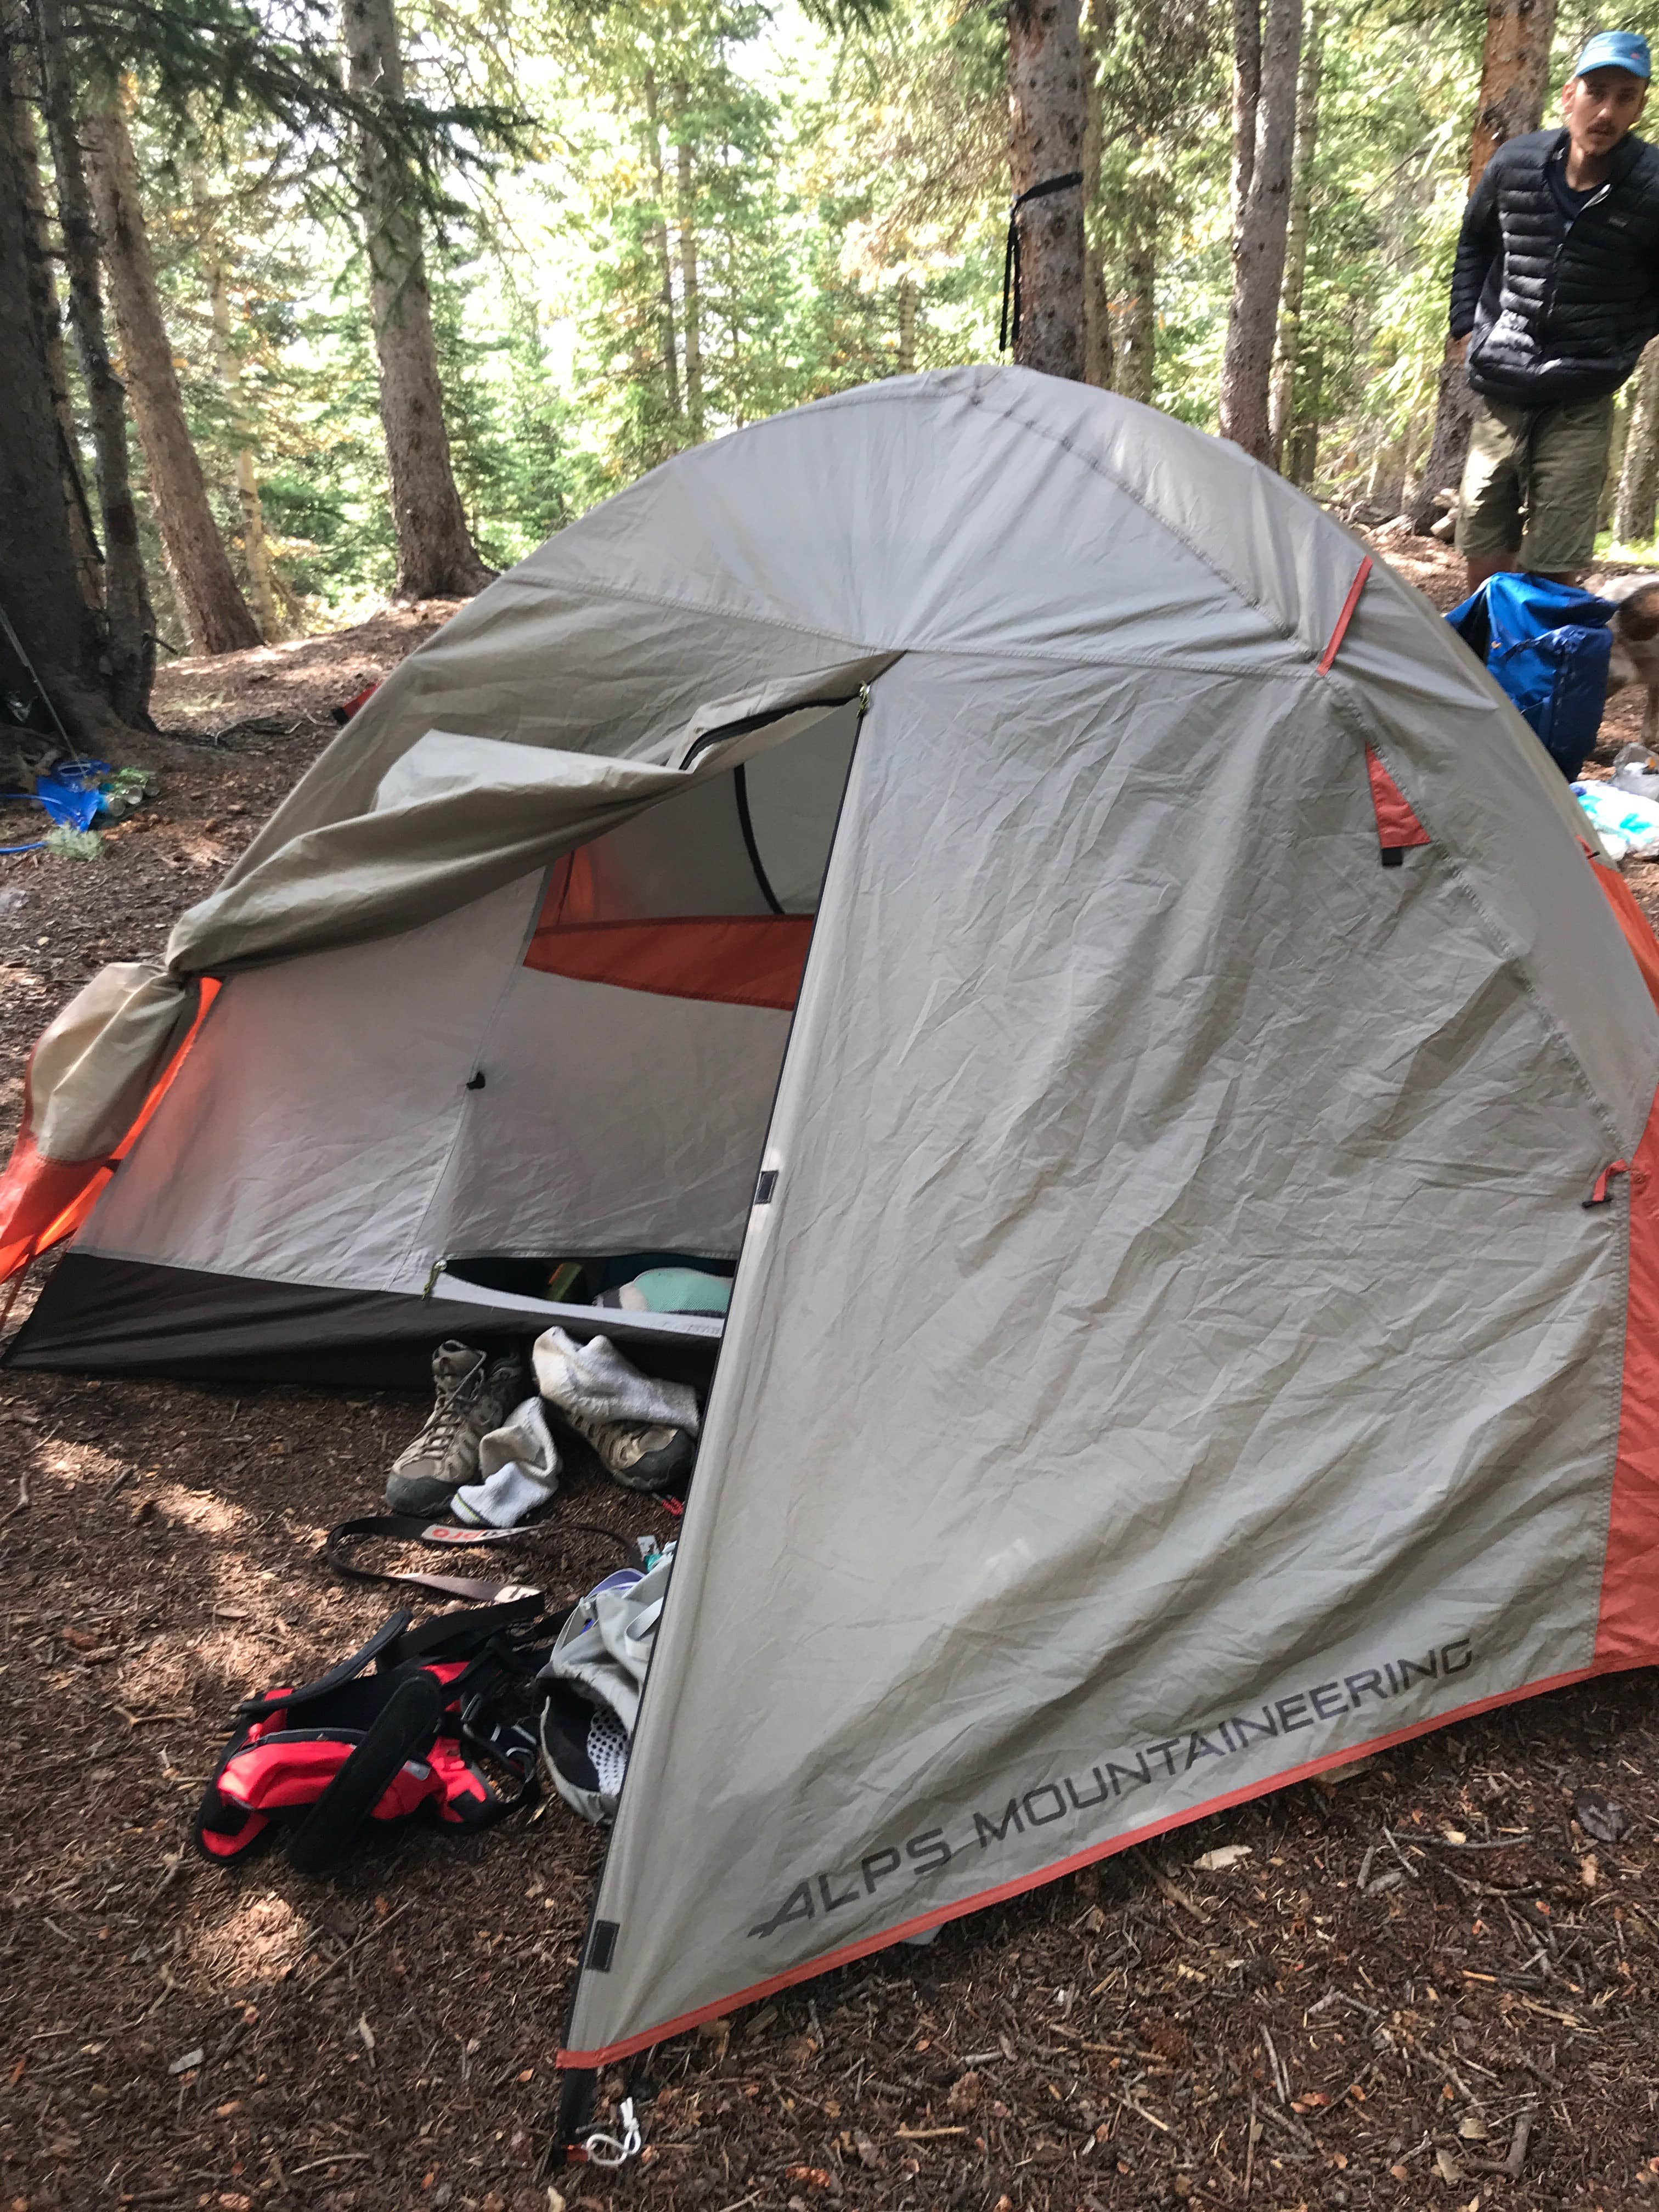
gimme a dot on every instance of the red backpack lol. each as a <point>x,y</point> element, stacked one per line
<point>410,1737</point>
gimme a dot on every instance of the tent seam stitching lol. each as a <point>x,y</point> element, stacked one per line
<point>1291,635</point>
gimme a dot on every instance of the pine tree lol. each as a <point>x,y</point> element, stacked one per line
<point>1260,239</point>
<point>436,556</point>
<point>1047,122</point>
<point>210,599</point>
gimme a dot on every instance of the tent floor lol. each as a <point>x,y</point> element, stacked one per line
<point>98,1315</point>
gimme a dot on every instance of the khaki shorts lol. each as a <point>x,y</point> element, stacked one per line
<point>1532,489</point>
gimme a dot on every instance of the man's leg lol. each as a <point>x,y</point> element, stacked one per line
<point>1564,470</point>
<point>1489,510</point>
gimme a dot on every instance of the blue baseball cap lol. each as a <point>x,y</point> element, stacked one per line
<point>1625,49</point>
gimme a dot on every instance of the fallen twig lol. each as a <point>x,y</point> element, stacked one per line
<point>316,1980</point>
<point>1503,1843</point>
<point>1171,1890</point>
<point>1281,2079</point>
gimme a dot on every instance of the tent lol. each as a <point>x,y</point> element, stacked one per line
<point>1150,1027</point>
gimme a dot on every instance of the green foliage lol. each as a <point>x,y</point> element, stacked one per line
<point>815,191</point>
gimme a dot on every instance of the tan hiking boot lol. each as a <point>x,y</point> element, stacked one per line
<point>475,1394</point>
<point>645,1455</point>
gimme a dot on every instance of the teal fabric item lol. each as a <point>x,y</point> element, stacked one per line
<point>683,1289</point>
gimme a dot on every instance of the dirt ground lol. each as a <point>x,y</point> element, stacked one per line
<point>1431,1982</point>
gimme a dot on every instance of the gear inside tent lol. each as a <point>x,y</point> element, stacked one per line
<point>1142,1017</point>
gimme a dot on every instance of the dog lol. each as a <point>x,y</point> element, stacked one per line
<point>1634,659</point>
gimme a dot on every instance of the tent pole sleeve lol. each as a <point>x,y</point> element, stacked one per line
<point>576,2115</point>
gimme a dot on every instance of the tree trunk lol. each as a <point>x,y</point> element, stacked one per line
<point>909,293</point>
<point>1047,111</point>
<point>1408,449</point>
<point>1259,245</point>
<point>1302,446</point>
<point>1097,303</point>
<point>61,634</point>
<point>690,308</point>
<point>1283,401</point>
<point>670,364</point>
<point>129,624</point>
<point>1138,325</point>
<point>436,557</point>
<point>209,599</point>
<point>48,319</point>
<point>1633,516</point>
<point>1514,76</point>
<point>1246,93</point>
<point>260,574</point>
<point>1514,69</point>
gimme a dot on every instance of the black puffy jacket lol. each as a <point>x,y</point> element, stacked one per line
<point>1561,307</point>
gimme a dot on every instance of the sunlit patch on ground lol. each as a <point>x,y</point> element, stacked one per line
<point>252,1943</point>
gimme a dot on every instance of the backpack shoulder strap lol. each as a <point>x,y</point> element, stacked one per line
<point>406,1728</point>
<point>385,1637</point>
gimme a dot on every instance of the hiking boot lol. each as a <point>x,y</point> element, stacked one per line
<point>475,1394</point>
<point>647,1456</point>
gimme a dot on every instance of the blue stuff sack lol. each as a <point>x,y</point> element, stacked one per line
<point>1547,646</point>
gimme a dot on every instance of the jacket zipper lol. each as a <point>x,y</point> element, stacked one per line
<point>1561,243</point>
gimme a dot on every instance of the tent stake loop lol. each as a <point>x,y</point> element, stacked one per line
<point>612,2150</point>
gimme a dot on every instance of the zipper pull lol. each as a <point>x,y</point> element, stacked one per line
<point>1600,1194</point>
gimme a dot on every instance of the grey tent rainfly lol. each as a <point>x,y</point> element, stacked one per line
<point>1150,1027</point>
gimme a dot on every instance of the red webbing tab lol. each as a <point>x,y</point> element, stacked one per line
<point>1346,616</point>
<point>1599,1188</point>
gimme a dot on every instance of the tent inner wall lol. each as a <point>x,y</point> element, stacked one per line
<point>331,1128</point>
<point>614,1118</point>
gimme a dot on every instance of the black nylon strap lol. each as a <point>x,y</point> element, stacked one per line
<point>441,1535</point>
<point>418,1529</point>
<point>385,1637</point>
<point>407,1728</point>
<point>1011,291</point>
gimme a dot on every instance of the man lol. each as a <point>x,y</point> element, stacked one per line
<point>1558,279</point>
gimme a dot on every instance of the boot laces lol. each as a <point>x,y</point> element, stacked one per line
<point>604,1435</point>
<point>455,1402</point>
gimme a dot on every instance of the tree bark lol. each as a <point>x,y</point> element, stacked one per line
<point>1634,514</point>
<point>690,306</point>
<point>1098,366</point>
<point>436,557</point>
<point>1259,245</point>
<point>48,318</point>
<point>1514,69</point>
<point>910,294</point>
<point>60,632</point>
<point>256,551</point>
<point>1137,324</point>
<point>1514,76</point>
<point>1246,93</point>
<point>1282,404</point>
<point>129,624</point>
<point>209,598</point>
<point>1047,116</point>
<point>670,364</point>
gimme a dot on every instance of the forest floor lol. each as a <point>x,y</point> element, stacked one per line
<point>1429,1981</point>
